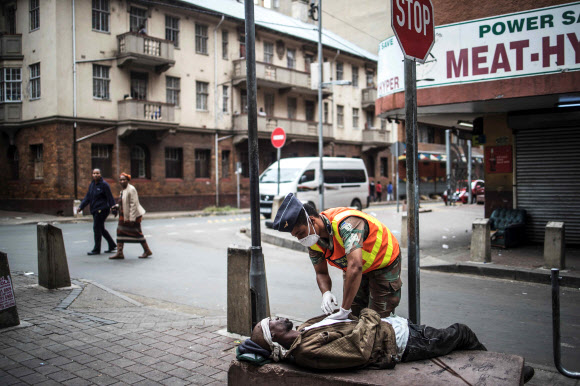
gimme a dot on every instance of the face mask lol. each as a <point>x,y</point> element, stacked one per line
<point>309,240</point>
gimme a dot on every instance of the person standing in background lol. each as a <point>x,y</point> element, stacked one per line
<point>379,189</point>
<point>390,191</point>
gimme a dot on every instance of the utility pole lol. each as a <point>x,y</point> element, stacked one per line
<point>320,136</point>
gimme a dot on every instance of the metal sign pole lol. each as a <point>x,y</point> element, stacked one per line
<point>397,173</point>
<point>448,164</point>
<point>320,136</point>
<point>412,190</point>
<point>257,270</point>
<point>279,151</point>
<point>469,190</point>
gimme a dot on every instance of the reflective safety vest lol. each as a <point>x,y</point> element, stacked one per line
<point>379,249</point>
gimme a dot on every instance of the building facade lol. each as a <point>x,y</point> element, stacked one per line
<point>158,89</point>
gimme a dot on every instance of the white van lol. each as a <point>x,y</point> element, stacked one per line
<point>346,182</point>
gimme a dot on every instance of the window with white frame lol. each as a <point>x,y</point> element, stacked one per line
<point>202,163</point>
<point>225,40</point>
<point>268,52</point>
<point>101,82</point>
<point>339,70</point>
<point>173,162</point>
<point>309,110</point>
<point>34,14</point>
<point>202,94</point>
<point>355,118</point>
<point>137,19</point>
<point>292,105</point>
<point>291,58</point>
<point>38,161</point>
<point>225,163</point>
<point>340,115</point>
<point>354,76</point>
<point>173,86</point>
<point>172,29</point>
<point>139,162</point>
<point>325,112</point>
<point>201,38</point>
<point>370,79</point>
<point>225,98</point>
<point>34,81</point>
<point>101,158</point>
<point>11,85</point>
<point>101,15</point>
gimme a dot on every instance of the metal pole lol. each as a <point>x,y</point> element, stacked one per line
<point>238,172</point>
<point>448,164</point>
<point>397,173</point>
<point>279,151</point>
<point>412,190</point>
<point>74,63</point>
<point>217,184</point>
<point>320,136</point>
<point>257,271</point>
<point>469,197</point>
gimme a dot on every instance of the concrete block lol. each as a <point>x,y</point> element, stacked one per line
<point>555,245</point>
<point>52,264</point>
<point>8,313</point>
<point>480,241</point>
<point>403,240</point>
<point>239,296</point>
<point>278,200</point>
<point>476,367</point>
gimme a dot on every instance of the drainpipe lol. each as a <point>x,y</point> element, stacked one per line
<point>216,108</point>
<point>74,54</point>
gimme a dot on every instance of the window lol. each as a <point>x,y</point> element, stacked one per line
<point>370,80</point>
<point>383,124</point>
<point>354,76</point>
<point>225,98</point>
<point>245,161</point>
<point>34,14</point>
<point>291,58</point>
<point>101,82</point>
<point>307,176</point>
<point>370,119</point>
<point>101,15</point>
<point>35,81</point>
<point>13,161</point>
<point>172,29</point>
<point>139,162</point>
<point>384,166</point>
<point>426,134</point>
<point>173,162</point>
<point>355,118</point>
<point>342,176</point>
<point>225,163</point>
<point>201,39</point>
<point>202,158</point>
<point>325,112</point>
<point>340,115</point>
<point>11,85</point>
<point>173,90</point>
<point>137,19</point>
<point>339,70</point>
<point>202,95</point>
<point>244,101</point>
<point>269,104</point>
<point>37,159</point>
<point>268,52</point>
<point>101,159</point>
<point>308,59</point>
<point>309,110</point>
<point>291,108</point>
<point>225,38</point>
<point>139,82</point>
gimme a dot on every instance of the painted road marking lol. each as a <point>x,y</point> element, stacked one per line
<point>172,233</point>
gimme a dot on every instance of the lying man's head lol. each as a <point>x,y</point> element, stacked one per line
<point>279,330</point>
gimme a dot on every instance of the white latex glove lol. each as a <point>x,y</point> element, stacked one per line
<point>340,315</point>
<point>328,299</point>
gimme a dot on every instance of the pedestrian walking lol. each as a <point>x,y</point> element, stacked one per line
<point>130,217</point>
<point>100,199</point>
<point>372,191</point>
<point>379,189</point>
<point>390,191</point>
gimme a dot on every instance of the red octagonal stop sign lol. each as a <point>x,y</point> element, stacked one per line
<point>278,137</point>
<point>414,25</point>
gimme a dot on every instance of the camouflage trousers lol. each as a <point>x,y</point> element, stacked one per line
<point>380,290</point>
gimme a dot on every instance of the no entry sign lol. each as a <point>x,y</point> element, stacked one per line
<point>414,25</point>
<point>278,137</point>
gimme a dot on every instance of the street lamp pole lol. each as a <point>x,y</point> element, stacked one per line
<point>320,136</point>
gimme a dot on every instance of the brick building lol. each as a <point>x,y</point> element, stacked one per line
<point>158,89</point>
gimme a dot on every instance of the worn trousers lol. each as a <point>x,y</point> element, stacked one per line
<point>99,230</point>
<point>427,342</point>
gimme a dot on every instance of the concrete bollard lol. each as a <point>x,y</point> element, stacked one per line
<point>555,245</point>
<point>52,264</point>
<point>403,238</point>
<point>8,313</point>
<point>239,297</point>
<point>480,241</point>
<point>278,200</point>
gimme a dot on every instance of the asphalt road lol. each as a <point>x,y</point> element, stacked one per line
<point>188,269</point>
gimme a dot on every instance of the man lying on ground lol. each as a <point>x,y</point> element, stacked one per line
<point>367,341</point>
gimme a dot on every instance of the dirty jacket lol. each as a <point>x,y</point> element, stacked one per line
<point>366,342</point>
<point>130,201</point>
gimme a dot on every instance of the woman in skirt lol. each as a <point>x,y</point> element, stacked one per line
<point>130,216</point>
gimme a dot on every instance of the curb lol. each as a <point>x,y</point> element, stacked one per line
<point>277,241</point>
<point>503,272</point>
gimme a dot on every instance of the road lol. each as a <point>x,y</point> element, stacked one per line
<point>188,270</point>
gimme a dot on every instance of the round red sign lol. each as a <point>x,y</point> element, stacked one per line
<point>278,137</point>
<point>414,25</point>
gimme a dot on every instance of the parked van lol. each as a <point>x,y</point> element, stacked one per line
<point>346,182</point>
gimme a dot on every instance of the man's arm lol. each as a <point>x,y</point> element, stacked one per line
<point>352,277</point>
<point>85,200</point>
<point>322,277</point>
<point>109,194</point>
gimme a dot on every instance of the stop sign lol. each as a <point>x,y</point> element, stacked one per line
<point>414,25</point>
<point>278,137</point>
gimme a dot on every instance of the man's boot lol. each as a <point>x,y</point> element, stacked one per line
<point>119,254</point>
<point>146,251</point>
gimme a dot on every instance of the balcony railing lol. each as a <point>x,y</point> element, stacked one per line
<point>376,136</point>
<point>369,95</point>
<point>290,126</point>
<point>145,51</point>
<point>132,109</point>
<point>273,76</point>
<point>10,47</point>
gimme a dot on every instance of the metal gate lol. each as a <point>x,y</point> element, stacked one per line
<point>547,178</point>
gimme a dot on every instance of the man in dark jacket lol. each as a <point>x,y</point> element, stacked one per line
<point>101,200</point>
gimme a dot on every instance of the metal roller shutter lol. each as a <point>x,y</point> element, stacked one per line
<point>548,179</point>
